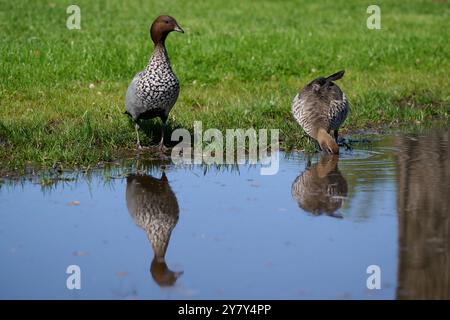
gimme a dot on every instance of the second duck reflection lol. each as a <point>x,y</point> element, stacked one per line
<point>321,188</point>
<point>154,207</point>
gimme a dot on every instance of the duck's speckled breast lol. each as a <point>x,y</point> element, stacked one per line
<point>158,86</point>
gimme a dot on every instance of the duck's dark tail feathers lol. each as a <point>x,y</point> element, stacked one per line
<point>335,76</point>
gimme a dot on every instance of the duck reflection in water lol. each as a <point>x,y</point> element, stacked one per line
<point>321,188</point>
<point>154,207</point>
<point>423,202</point>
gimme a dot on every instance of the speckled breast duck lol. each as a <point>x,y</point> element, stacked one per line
<point>153,92</point>
<point>154,207</point>
<point>320,107</point>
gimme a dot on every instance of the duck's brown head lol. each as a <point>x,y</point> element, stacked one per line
<point>326,142</point>
<point>162,26</point>
<point>161,274</point>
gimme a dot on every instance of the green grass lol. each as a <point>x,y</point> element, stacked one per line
<point>240,63</point>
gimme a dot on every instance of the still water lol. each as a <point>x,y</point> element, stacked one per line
<point>308,232</point>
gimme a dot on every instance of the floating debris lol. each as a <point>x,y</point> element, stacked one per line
<point>80,253</point>
<point>122,274</point>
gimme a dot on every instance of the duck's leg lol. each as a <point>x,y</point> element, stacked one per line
<point>342,142</point>
<point>308,160</point>
<point>318,147</point>
<point>161,142</point>
<point>161,145</point>
<point>136,127</point>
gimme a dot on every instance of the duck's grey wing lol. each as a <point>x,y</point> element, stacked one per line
<point>133,103</point>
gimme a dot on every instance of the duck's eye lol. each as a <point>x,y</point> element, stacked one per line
<point>167,22</point>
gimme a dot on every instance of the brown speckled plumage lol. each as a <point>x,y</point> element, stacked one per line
<point>321,188</point>
<point>320,107</point>
<point>154,207</point>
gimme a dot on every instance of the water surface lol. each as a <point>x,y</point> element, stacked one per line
<point>308,232</point>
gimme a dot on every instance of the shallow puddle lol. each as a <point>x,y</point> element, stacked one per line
<point>310,231</point>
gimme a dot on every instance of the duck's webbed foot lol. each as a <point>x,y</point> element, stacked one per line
<point>342,142</point>
<point>161,147</point>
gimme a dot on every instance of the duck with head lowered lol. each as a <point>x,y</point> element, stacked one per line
<point>320,107</point>
<point>153,92</point>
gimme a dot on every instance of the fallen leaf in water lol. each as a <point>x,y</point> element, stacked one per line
<point>80,253</point>
<point>344,295</point>
<point>74,203</point>
<point>220,291</point>
<point>301,292</point>
<point>122,274</point>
